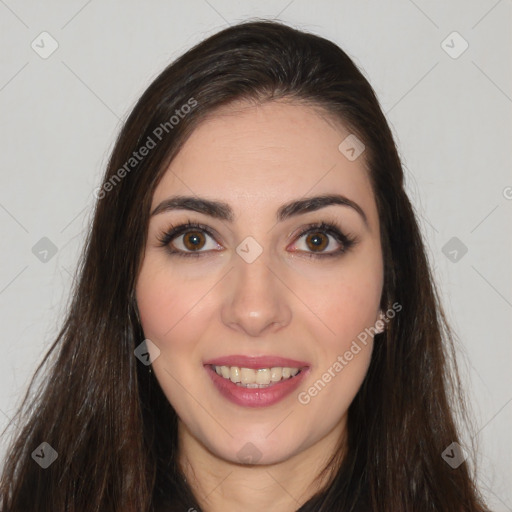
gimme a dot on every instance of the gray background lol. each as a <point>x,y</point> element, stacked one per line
<point>451,118</point>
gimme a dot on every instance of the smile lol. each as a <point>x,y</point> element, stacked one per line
<point>250,391</point>
<point>255,378</point>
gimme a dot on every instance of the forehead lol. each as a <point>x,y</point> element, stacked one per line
<point>262,155</point>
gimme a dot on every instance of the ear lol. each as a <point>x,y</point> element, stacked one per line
<point>380,323</point>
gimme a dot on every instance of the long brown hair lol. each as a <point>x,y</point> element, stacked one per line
<point>103,412</point>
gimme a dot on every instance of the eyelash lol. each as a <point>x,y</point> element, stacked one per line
<point>328,228</point>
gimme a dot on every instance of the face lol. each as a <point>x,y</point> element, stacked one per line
<point>265,277</point>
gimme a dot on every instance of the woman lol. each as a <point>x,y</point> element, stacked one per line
<point>255,324</point>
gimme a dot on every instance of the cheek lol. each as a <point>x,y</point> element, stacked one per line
<point>348,306</point>
<point>156,306</point>
<point>353,305</point>
<point>345,296</point>
<point>167,303</point>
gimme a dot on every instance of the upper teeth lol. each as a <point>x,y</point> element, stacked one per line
<point>260,376</point>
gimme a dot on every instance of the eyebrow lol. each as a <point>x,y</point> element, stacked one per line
<point>223,211</point>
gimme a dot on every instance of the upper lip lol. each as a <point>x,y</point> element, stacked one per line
<point>256,362</point>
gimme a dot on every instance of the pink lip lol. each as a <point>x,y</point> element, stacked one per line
<point>256,397</point>
<point>255,362</point>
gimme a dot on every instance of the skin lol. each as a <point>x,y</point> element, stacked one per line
<point>256,158</point>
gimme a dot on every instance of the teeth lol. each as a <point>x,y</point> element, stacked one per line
<point>260,378</point>
<point>234,374</point>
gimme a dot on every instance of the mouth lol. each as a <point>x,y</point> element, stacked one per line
<point>256,381</point>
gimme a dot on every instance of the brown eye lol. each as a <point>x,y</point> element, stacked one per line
<point>322,239</point>
<point>189,239</point>
<point>194,240</point>
<point>317,241</point>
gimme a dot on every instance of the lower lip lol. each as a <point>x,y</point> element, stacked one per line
<point>255,397</point>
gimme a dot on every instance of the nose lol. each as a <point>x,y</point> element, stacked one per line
<point>255,299</point>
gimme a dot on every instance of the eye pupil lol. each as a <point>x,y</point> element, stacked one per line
<point>193,240</point>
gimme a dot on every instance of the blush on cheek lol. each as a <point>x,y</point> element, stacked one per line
<point>349,316</point>
<point>162,307</point>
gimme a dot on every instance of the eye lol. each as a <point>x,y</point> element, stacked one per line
<point>323,240</point>
<point>190,239</point>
